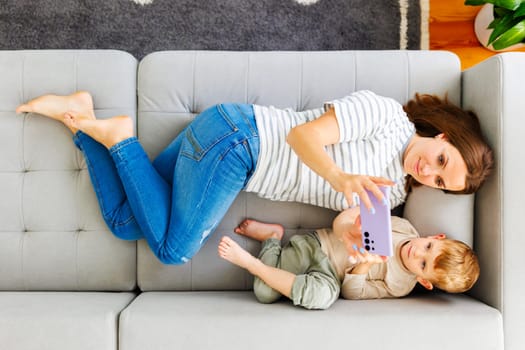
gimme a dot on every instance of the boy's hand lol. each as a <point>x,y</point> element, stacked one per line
<point>352,240</point>
<point>351,237</point>
<point>347,226</point>
<point>364,257</point>
<point>364,261</point>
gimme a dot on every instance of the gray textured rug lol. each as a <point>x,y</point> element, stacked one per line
<point>143,26</point>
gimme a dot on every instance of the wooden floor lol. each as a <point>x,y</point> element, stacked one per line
<point>451,28</point>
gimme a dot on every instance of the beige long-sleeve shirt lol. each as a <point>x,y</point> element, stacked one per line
<point>390,279</point>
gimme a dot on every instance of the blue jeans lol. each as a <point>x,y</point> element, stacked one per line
<point>177,201</point>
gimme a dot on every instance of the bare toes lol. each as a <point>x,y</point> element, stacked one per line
<point>23,109</point>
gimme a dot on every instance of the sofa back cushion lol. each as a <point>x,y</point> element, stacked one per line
<point>174,86</point>
<point>52,236</point>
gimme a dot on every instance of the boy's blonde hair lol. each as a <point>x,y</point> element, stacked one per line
<point>456,268</point>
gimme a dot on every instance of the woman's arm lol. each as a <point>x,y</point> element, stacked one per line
<point>309,140</point>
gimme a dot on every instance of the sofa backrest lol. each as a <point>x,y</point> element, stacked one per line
<point>52,236</point>
<point>174,86</point>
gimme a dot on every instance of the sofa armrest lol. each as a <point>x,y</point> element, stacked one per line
<point>494,90</point>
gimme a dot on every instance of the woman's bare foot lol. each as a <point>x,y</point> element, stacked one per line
<point>259,231</point>
<point>229,250</point>
<point>106,131</point>
<point>54,106</point>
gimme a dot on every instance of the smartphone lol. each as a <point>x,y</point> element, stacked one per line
<point>376,229</point>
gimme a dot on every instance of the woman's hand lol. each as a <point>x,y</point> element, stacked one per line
<point>349,184</point>
<point>309,141</point>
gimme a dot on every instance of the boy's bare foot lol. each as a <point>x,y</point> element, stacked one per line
<point>229,250</point>
<point>259,230</point>
<point>55,106</point>
<point>106,131</point>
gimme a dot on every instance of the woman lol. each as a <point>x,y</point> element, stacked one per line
<point>325,157</point>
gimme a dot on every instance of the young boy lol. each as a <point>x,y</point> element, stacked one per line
<point>313,269</point>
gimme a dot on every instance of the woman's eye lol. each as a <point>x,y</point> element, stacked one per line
<point>439,182</point>
<point>441,160</point>
<point>423,265</point>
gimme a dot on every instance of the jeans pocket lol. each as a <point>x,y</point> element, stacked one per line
<point>209,129</point>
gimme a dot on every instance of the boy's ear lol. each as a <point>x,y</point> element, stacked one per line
<point>425,283</point>
<point>440,236</point>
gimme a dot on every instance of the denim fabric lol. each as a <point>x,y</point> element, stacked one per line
<point>110,193</point>
<point>316,285</point>
<point>177,201</point>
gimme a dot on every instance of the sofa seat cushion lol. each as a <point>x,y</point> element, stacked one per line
<point>60,320</point>
<point>235,320</point>
<point>174,86</point>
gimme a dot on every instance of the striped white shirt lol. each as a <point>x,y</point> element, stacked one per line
<point>374,132</point>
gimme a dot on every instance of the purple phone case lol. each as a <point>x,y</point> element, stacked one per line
<point>377,228</point>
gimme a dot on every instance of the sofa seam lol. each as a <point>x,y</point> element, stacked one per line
<point>501,184</point>
<point>193,82</point>
<point>77,211</point>
<point>77,234</point>
<point>355,71</point>
<point>22,73</point>
<point>407,76</point>
<point>76,71</point>
<point>247,80</point>
<point>301,83</point>
<point>24,174</point>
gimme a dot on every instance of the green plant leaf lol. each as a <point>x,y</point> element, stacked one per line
<point>504,24</point>
<point>475,2</point>
<point>520,11</point>
<point>494,23</point>
<point>508,4</point>
<point>500,12</point>
<point>514,35</point>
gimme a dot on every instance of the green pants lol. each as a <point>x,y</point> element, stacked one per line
<point>316,285</point>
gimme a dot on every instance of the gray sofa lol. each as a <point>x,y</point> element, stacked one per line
<point>67,283</point>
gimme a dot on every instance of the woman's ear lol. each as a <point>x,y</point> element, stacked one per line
<point>441,136</point>
<point>425,283</point>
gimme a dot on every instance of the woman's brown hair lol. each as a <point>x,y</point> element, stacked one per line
<point>433,116</point>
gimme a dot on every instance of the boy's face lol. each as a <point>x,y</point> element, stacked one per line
<point>418,256</point>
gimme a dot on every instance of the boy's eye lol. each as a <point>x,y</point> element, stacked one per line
<point>423,265</point>
<point>429,245</point>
